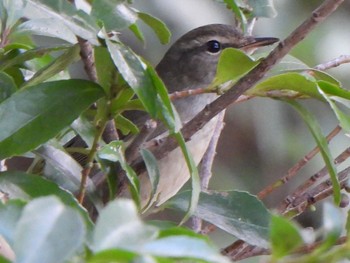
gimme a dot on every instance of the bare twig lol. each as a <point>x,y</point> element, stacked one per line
<point>334,62</point>
<point>293,170</point>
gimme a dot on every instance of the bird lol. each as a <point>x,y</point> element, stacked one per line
<point>191,63</point>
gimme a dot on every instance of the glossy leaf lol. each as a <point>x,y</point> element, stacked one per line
<point>7,86</point>
<point>125,231</point>
<point>158,26</point>
<point>80,23</point>
<point>59,64</point>
<point>238,213</point>
<point>44,232</point>
<point>32,116</point>
<point>115,14</point>
<point>47,27</point>
<point>321,141</point>
<point>232,65</point>
<point>285,236</point>
<point>105,68</point>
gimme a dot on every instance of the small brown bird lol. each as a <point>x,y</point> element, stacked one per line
<point>191,63</point>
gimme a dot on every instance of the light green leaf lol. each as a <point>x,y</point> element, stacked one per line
<point>321,141</point>
<point>7,86</point>
<point>115,14</point>
<point>59,64</point>
<point>119,226</point>
<point>285,236</point>
<point>232,65</point>
<point>158,26</point>
<point>229,211</point>
<point>113,256</point>
<point>80,23</point>
<point>50,27</point>
<point>137,32</point>
<point>288,84</point>
<point>34,115</point>
<point>44,232</point>
<point>125,125</point>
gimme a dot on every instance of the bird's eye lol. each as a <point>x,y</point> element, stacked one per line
<point>213,46</point>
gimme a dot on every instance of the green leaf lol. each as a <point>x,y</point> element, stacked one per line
<point>105,68</point>
<point>125,125</point>
<point>152,172</point>
<point>9,61</point>
<point>59,64</point>
<point>114,152</point>
<point>232,65</point>
<point>344,119</point>
<point>333,89</point>
<point>80,23</point>
<point>321,141</point>
<point>289,84</point>
<point>195,180</point>
<point>44,232</point>
<point>7,86</point>
<point>47,27</point>
<point>34,115</point>
<point>115,14</point>
<point>158,26</point>
<point>137,32</point>
<point>232,4</point>
<point>285,236</point>
<point>113,256</point>
<point>238,213</point>
<point>125,231</point>
<point>134,72</point>
<point>10,213</point>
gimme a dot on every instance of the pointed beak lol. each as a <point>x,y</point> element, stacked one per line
<point>253,43</point>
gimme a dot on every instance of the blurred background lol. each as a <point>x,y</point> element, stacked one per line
<point>262,138</point>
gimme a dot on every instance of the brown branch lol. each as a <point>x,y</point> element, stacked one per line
<point>319,15</point>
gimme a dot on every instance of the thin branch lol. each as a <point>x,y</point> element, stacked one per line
<point>334,62</point>
<point>297,167</point>
<point>246,82</point>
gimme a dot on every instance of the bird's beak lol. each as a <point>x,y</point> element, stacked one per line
<point>254,43</point>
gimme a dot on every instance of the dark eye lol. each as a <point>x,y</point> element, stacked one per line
<point>213,46</point>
